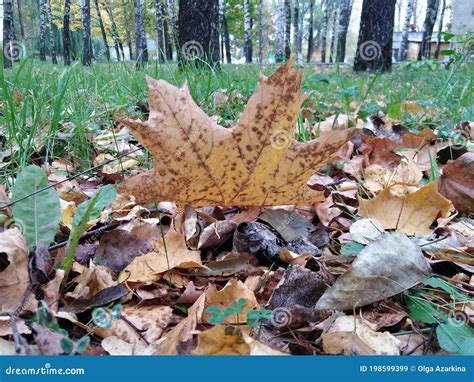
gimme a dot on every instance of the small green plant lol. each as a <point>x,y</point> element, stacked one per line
<point>218,315</point>
<point>256,317</point>
<point>104,317</point>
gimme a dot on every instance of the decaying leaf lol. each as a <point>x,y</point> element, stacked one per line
<point>14,277</point>
<point>222,340</point>
<point>116,346</point>
<point>174,254</point>
<point>365,231</point>
<point>199,163</point>
<point>457,183</point>
<point>388,266</point>
<point>412,214</point>
<point>350,335</point>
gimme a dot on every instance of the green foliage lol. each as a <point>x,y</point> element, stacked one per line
<point>37,215</point>
<point>256,317</point>
<point>104,317</point>
<point>218,315</point>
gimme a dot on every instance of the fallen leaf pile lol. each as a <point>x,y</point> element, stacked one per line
<point>241,240</point>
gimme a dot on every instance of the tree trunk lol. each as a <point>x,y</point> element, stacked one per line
<point>260,31</point>
<point>20,19</point>
<point>8,43</point>
<point>287,28</point>
<point>67,33</point>
<point>248,32</point>
<point>280,33</point>
<point>296,28</point>
<point>225,31</point>
<point>102,29</point>
<point>198,32</point>
<point>159,31</point>
<point>374,47</point>
<point>174,30</point>
<point>344,19</point>
<point>324,28</point>
<point>140,37</point>
<point>115,36</point>
<point>86,32</point>
<point>52,41</point>
<point>166,32</point>
<point>441,19</point>
<point>428,25</point>
<point>406,31</point>
<point>310,31</point>
<point>333,31</point>
<point>42,36</point>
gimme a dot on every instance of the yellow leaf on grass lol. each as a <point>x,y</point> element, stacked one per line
<point>232,292</point>
<point>412,214</point>
<point>174,255</point>
<point>199,163</point>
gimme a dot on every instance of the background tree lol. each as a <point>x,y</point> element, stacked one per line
<point>428,25</point>
<point>280,32</point>
<point>406,30</point>
<point>334,19</point>
<point>140,36</point>
<point>260,31</point>
<point>7,32</point>
<point>310,31</point>
<point>198,31</point>
<point>86,32</point>
<point>159,31</point>
<point>324,28</point>
<point>20,19</point>
<point>287,28</point>
<point>42,35</point>
<point>248,32</point>
<point>440,29</point>
<point>66,33</point>
<point>174,30</point>
<point>102,29</point>
<point>115,36</point>
<point>296,28</point>
<point>374,46</point>
<point>344,19</point>
<point>166,31</point>
<point>52,41</point>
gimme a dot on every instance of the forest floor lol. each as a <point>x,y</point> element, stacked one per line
<point>98,272</point>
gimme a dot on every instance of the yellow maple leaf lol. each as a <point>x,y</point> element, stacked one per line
<point>256,163</point>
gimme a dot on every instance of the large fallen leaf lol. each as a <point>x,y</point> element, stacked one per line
<point>14,278</point>
<point>350,335</point>
<point>199,163</point>
<point>232,292</point>
<point>412,214</point>
<point>388,266</point>
<point>457,182</point>
<point>222,340</point>
<point>174,254</point>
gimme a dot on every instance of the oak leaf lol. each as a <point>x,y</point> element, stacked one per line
<point>257,162</point>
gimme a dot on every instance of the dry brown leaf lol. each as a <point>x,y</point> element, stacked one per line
<point>232,292</point>
<point>68,190</point>
<point>457,182</point>
<point>199,163</point>
<point>221,340</point>
<point>91,281</point>
<point>184,330</point>
<point>412,214</point>
<point>14,277</point>
<point>174,255</point>
<point>116,346</point>
<point>350,335</point>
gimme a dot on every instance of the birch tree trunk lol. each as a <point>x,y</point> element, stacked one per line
<point>334,20</point>
<point>280,32</point>
<point>7,33</point>
<point>140,37</point>
<point>344,19</point>
<point>296,28</point>
<point>374,47</point>
<point>248,32</point>
<point>52,41</point>
<point>66,33</point>
<point>310,32</point>
<point>86,32</point>
<point>174,30</point>
<point>102,29</point>
<point>159,31</point>
<point>260,32</point>
<point>20,19</point>
<point>324,28</point>
<point>428,25</point>
<point>441,20</point>
<point>168,46</point>
<point>42,36</point>
<point>225,31</point>
<point>287,28</point>
<point>406,30</point>
<point>115,35</point>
